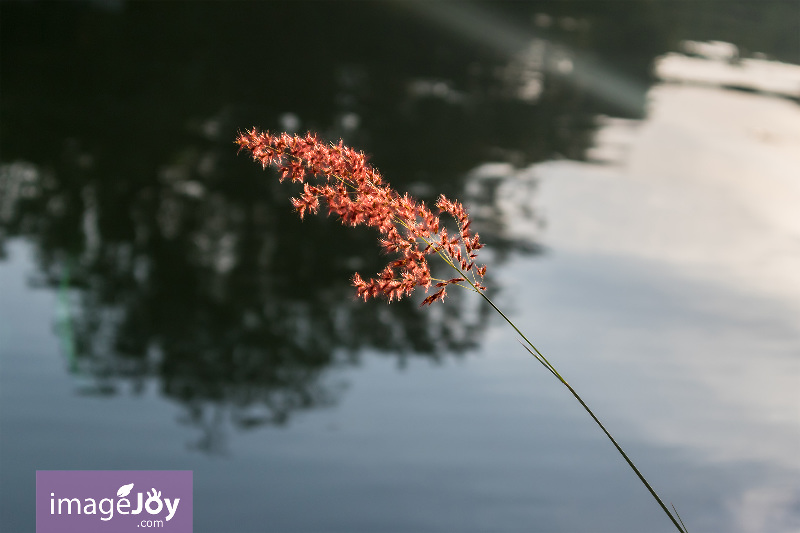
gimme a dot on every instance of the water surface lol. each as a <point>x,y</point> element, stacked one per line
<point>162,308</point>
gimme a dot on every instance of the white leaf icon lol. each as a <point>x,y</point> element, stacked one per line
<point>124,490</point>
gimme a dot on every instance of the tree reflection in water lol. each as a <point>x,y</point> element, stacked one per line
<point>179,263</point>
<point>216,290</point>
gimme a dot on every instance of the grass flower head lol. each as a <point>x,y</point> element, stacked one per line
<point>356,193</point>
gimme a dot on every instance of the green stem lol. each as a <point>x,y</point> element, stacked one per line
<point>627,459</point>
<point>541,358</point>
<point>549,366</point>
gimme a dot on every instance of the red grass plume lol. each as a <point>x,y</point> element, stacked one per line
<point>357,194</point>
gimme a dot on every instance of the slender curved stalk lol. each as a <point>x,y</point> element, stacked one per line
<point>539,357</point>
<point>543,360</point>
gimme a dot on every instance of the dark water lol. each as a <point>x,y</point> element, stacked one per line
<point>163,308</point>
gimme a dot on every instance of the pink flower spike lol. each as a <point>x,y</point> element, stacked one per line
<point>357,194</point>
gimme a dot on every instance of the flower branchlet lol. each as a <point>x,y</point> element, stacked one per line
<point>357,194</point>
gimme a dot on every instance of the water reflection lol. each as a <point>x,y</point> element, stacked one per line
<point>176,260</point>
<point>217,291</point>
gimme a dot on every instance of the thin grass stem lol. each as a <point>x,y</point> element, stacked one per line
<point>539,357</point>
<point>549,366</point>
